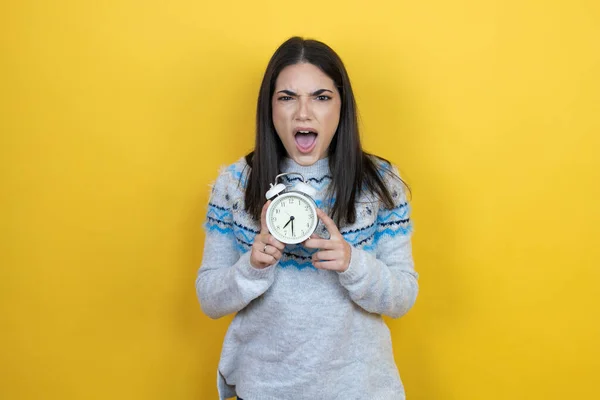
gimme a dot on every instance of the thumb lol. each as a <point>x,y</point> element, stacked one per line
<point>263,218</point>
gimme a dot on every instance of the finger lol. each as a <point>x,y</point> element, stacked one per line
<point>274,252</point>
<point>329,224</point>
<point>264,258</point>
<point>275,243</point>
<point>263,218</point>
<point>328,265</point>
<point>313,236</point>
<point>320,244</point>
<point>267,238</point>
<point>328,255</point>
<point>255,260</point>
<point>259,246</point>
<point>261,240</point>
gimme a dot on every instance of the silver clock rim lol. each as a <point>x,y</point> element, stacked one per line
<point>312,228</point>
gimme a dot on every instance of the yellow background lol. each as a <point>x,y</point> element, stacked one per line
<point>115,116</point>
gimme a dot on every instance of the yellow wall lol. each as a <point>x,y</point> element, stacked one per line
<point>116,115</point>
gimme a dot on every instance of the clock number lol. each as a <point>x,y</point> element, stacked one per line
<point>277,211</point>
<point>308,224</point>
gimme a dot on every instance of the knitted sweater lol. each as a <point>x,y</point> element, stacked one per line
<point>299,332</point>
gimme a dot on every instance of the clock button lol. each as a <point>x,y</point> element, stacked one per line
<point>306,189</point>
<point>275,190</point>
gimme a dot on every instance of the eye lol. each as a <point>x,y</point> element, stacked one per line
<point>285,98</point>
<point>323,98</point>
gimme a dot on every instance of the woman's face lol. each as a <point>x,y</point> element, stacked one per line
<point>306,112</point>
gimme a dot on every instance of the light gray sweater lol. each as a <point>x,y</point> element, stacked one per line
<point>302,333</point>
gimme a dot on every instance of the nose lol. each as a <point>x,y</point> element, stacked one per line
<point>303,112</point>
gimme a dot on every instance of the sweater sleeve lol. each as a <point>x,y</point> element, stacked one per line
<point>385,282</point>
<point>226,281</point>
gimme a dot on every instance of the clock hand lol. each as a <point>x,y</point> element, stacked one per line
<point>291,219</point>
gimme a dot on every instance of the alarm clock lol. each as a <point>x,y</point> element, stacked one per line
<point>292,214</point>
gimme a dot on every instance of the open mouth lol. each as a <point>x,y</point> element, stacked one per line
<point>306,139</point>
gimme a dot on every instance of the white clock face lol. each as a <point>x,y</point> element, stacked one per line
<point>291,218</point>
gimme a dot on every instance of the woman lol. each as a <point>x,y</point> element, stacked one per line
<point>309,316</point>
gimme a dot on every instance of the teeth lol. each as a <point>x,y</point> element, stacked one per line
<point>304,132</point>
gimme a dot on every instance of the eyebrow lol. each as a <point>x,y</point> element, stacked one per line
<point>315,93</point>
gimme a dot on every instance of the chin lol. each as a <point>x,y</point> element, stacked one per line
<point>306,159</point>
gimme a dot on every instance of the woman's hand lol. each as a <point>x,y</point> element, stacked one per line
<point>334,254</point>
<point>266,250</point>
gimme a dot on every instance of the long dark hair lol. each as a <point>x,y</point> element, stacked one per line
<point>351,168</point>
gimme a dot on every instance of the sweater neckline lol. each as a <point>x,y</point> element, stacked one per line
<point>316,170</point>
